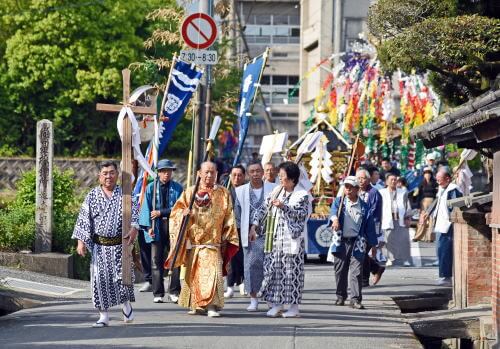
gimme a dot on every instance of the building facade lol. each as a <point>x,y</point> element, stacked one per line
<point>274,24</point>
<point>327,27</point>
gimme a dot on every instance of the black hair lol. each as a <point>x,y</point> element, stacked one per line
<point>372,169</point>
<point>292,170</point>
<point>403,181</point>
<point>388,174</point>
<point>386,159</point>
<point>107,163</point>
<point>255,162</point>
<point>240,167</point>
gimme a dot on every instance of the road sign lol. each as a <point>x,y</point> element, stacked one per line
<point>208,57</point>
<point>199,31</point>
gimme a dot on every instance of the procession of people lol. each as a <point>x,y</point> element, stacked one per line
<point>250,233</point>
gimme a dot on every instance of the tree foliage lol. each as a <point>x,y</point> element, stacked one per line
<point>59,58</point>
<point>165,37</point>
<point>457,41</point>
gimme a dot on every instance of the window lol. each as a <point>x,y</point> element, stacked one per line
<point>263,19</point>
<point>252,30</point>
<point>293,80</point>
<point>265,80</point>
<point>267,30</point>
<point>294,20</point>
<point>293,92</point>
<point>280,54</point>
<point>280,80</point>
<point>284,115</point>
<point>280,20</point>
<point>281,31</point>
<point>280,98</point>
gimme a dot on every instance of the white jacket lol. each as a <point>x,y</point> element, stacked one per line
<point>403,205</point>
<point>243,197</point>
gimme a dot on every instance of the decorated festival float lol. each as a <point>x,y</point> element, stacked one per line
<point>358,101</point>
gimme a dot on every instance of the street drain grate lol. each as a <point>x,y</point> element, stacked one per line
<point>38,287</point>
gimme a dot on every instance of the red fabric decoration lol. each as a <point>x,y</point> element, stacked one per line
<point>230,252</point>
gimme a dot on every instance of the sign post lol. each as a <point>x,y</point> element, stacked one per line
<point>199,32</point>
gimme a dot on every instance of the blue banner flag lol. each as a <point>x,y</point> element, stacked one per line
<point>251,79</point>
<point>184,80</point>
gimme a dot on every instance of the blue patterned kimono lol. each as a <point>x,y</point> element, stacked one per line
<point>174,192</point>
<point>367,233</point>
<point>283,281</point>
<point>103,216</point>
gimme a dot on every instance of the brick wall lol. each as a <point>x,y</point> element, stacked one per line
<point>495,261</point>
<point>495,291</point>
<point>472,262</point>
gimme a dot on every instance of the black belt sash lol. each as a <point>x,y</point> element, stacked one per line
<point>107,241</point>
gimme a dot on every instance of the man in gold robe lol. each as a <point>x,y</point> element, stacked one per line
<point>210,241</point>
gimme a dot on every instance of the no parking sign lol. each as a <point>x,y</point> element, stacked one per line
<point>199,31</point>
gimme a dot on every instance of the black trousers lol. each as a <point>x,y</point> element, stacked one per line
<point>145,250</point>
<point>159,252</point>
<point>348,271</point>
<point>236,272</point>
<point>370,265</point>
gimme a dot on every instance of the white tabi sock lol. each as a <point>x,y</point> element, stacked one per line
<point>104,317</point>
<point>127,307</point>
<point>254,301</point>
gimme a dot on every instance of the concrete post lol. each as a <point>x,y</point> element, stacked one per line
<point>44,184</point>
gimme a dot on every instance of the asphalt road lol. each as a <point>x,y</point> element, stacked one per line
<point>65,322</point>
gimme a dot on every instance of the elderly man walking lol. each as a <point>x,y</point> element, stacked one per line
<point>211,238</point>
<point>442,224</point>
<point>250,198</point>
<point>370,195</point>
<point>98,230</point>
<point>353,228</point>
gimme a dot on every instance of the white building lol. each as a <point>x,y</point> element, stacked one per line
<point>327,27</point>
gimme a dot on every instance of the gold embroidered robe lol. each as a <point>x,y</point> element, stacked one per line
<point>209,232</point>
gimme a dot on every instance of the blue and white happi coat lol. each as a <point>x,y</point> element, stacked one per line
<point>103,216</point>
<point>367,231</point>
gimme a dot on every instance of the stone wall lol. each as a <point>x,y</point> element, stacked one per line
<point>11,169</point>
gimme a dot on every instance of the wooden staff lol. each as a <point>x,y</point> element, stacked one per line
<point>356,152</point>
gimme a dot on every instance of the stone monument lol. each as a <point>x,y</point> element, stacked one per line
<point>44,184</point>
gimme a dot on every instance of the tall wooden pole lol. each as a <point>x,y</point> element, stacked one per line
<point>126,173</point>
<point>126,185</point>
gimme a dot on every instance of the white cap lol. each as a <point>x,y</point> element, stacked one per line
<point>352,180</point>
<point>431,156</point>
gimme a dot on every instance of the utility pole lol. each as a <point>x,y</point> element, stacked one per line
<point>204,103</point>
<point>207,7</point>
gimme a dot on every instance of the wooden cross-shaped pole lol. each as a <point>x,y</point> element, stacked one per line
<point>126,175</point>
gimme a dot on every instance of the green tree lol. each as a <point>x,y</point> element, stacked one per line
<point>457,41</point>
<point>59,58</point>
